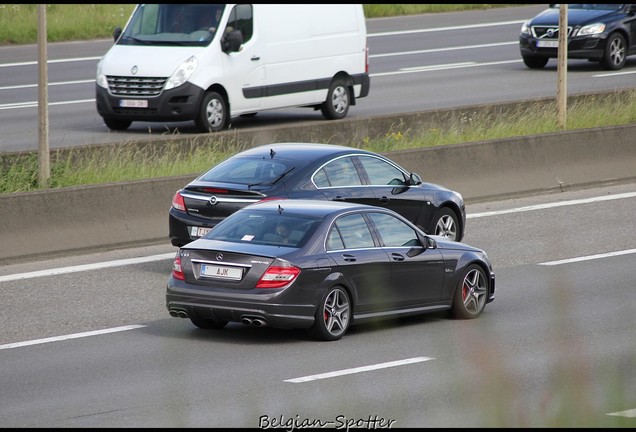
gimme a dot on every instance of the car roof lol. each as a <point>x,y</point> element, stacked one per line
<point>299,150</point>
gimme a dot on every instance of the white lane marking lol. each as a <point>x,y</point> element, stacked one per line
<point>611,74</point>
<point>588,257</point>
<point>359,369</point>
<point>445,49</point>
<point>85,267</point>
<point>66,60</point>
<point>71,336</point>
<point>626,413</point>
<point>50,85</point>
<point>442,67</point>
<point>35,104</point>
<point>553,205</point>
<point>434,29</point>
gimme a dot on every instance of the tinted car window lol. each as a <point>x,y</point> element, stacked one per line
<point>381,172</point>
<point>602,6</point>
<point>349,232</point>
<point>393,231</point>
<point>246,171</point>
<point>259,228</point>
<point>339,172</point>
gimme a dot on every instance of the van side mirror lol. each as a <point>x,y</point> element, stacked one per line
<point>116,33</point>
<point>232,41</point>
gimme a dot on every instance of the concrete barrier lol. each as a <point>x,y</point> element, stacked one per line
<point>61,221</point>
<point>529,164</point>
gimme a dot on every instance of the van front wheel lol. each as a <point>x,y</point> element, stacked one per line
<point>213,115</point>
<point>336,106</point>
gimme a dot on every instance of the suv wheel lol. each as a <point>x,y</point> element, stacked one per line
<point>615,52</point>
<point>535,62</point>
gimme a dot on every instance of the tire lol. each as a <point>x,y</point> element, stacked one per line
<point>208,323</point>
<point>536,62</point>
<point>615,52</point>
<point>115,124</point>
<point>336,106</point>
<point>213,115</point>
<point>445,224</point>
<point>471,294</point>
<point>333,315</point>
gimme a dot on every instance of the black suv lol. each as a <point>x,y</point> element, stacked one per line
<point>605,33</point>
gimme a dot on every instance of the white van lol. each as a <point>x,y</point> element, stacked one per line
<point>212,62</point>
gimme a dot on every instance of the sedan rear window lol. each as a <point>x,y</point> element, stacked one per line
<point>250,171</point>
<point>261,228</point>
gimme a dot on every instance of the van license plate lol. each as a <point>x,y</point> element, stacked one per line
<point>133,103</point>
<point>547,44</point>
<point>221,272</point>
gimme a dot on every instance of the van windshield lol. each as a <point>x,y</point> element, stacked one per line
<point>173,24</point>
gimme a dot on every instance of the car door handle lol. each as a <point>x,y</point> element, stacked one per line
<point>397,257</point>
<point>348,258</point>
<point>385,200</point>
<point>255,58</point>
<point>339,198</point>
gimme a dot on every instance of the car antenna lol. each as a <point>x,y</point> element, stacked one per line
<point>271,153</point>
<point>280,209</point>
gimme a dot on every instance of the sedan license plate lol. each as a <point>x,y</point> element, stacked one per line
<point>221,272</point>
<point>547,44</point>
<point>133,103</point>
<point>199,231</point>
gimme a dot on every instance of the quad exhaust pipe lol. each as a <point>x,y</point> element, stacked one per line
<point>253,321</point>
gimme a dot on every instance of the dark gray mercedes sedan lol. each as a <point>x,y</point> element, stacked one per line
<point>323,266</point>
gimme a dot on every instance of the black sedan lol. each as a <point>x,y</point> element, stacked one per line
<point>600,32</point>
<point>312,171</point>
<point>323,266</point>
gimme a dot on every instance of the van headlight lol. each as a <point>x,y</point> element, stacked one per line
<point>182,74</point>
<point>100,78</point>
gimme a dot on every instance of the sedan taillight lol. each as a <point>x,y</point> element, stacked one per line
<point>278,276</point>
<point>178,202</point>
<point>177,272</point>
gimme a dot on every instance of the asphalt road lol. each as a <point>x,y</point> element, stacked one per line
<point>417,63</point>
<point>555,348</point>
<point>86,341</point>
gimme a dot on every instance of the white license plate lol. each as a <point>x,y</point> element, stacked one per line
<point>199,231</point>
<point>221,272</point>
<point>133,103</point>
<point>547,44</point>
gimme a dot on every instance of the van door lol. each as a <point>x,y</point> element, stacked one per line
<point>244,71</point>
